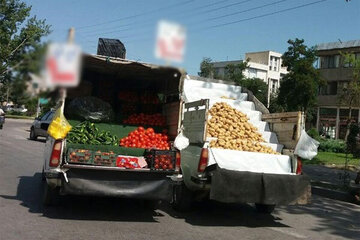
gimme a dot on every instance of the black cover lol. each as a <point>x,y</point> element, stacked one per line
<point>89,108</point>
<point>124,184</point>
<point>111,48</point>
<point>247,187</point>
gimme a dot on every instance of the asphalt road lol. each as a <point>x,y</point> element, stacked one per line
<point>22,215</point>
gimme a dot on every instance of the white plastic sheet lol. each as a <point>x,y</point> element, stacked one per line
<point>306,147</point>
<point>250,161</point>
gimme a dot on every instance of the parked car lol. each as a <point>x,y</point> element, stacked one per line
<point>2,118</point>
<point>40,125</point>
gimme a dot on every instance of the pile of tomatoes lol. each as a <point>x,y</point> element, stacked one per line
<point>146,138</point>
<point>146,119</point>
<point>163,162</point>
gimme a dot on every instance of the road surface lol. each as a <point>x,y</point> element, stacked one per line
<point>22,215</point>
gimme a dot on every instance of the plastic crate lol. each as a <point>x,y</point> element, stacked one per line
<point>104,158</point>
<point>82,156</point>
<point>161,160</point>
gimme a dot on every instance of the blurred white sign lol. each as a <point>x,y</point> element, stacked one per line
<point>63,62</point>
<point>170,42</point>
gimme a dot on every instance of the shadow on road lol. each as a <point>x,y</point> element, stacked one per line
<point>338,218</point>
<point>43,140</point>
<point>29,192</point>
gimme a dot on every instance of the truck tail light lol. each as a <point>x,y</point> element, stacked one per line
<point>178,161</point>
<point>204,158</point>
<point>299,166</point>
<point>55,154</point>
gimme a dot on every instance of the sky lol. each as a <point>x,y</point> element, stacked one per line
<point>222,30</point>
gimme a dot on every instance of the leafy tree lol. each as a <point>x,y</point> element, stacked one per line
<point>207,68</point>
<point>235,72</point>
<point>274,106</point>
<point>298,89</point>
<point>350,94</point>
<point>257,86</point>
<point>20,44</point>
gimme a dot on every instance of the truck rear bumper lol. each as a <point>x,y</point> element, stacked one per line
<point>124,184</point>
<point>248,187</point>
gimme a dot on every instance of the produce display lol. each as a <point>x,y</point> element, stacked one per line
<point>80,156</point>
<point>163,162</point>
<point>233,131</point>
<point>87,133</point>
<point>104,158</point>
<point>146,138</point>
<point>130,162</point>
<point>146,119</point>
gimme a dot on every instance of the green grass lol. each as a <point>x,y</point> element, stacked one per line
<point>329,158</point>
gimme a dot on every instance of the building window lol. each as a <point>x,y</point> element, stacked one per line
<point>330,61</point>
<point>329,89</point>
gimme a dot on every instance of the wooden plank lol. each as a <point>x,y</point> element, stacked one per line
<point>281,120</point>
<point>280,115</point>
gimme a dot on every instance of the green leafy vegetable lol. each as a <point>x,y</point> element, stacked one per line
<point>87,133</point>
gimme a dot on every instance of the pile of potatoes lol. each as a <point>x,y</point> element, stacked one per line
<point>233,131</point>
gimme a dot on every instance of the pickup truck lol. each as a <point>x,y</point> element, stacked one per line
<point>112,80</point>
<point>199,171</point>
<point>232,176</point>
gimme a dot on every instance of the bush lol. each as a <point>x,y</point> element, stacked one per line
<point>312,132</point>
<point>331,145</point>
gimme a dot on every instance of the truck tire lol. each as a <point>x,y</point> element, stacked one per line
<point>32,134</point>
<point>50,195</point>
<point>265,208</point>
<point>183,199</point>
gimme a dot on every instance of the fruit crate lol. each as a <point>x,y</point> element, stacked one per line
<point>105,158</point>
<point>163,160</point>
<point>82,156</point>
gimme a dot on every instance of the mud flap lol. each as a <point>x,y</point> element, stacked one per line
<point>140,185</point>
<point>247,187</point>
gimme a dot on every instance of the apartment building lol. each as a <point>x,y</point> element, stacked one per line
<point>331,115</point>
<point>265,65</point>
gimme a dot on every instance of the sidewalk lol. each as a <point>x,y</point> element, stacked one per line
<point>329,182</point>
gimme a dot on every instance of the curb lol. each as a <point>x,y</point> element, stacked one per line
<point>18,117</point>
<point>345,196</point>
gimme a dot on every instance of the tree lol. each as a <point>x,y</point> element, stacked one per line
<point>235,72</point>
<point>257,86</point>
<point>350,94</point>
<point>299,87</point>
<point>207,68</point>
<point>20,44</point>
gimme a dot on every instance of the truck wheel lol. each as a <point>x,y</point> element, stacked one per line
<point>50,195</point>
<point>183,199</point>
<point>265,208</point>
<point>32,134</point>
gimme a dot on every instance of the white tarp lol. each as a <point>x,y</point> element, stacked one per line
<point>250,161</point>
<point>195,90</point>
